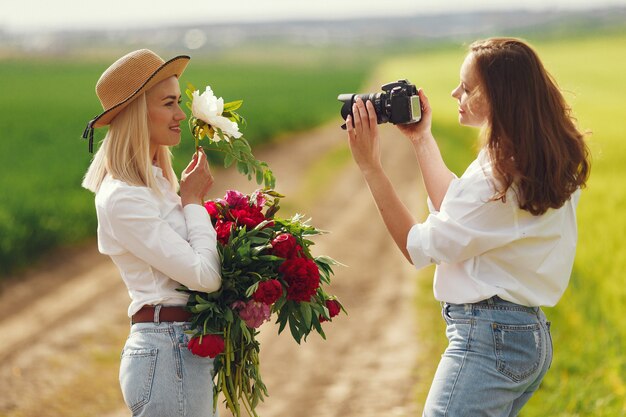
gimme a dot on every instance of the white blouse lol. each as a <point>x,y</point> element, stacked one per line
<point>156,243</point>
<point>484,248</point>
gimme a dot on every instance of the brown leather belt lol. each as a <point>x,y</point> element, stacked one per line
<point>147,314</point>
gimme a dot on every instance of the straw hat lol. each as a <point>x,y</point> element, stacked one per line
<point>126,79</point>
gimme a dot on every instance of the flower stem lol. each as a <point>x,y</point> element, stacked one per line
<point>232,406</point>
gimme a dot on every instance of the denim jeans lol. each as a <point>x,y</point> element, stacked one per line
<point>497,355</point>
<point>160,377</point>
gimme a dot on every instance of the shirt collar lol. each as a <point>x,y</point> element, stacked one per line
<point>157,171</point>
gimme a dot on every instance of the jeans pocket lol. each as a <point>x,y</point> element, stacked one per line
<point>452,316</point>
<point>136,376</point>
<point>518,349</point>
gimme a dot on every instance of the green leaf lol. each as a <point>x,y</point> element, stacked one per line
<point>240,145</point>
<point>242,167</point>
<point>228,160</point>
<point>200,307</point>
<point>283,323</point>
<point>251,289</point>
<point>272,258</point>
<point>326,260</point>
<point>228,315</point>
<point>293,327</point>
<point>189,91</point>
<point>232,106</point>
<point>305,309</point>
<point>269,179</point>
<point>200,299</point>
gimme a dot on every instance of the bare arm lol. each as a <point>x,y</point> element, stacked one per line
<point>364,144</point>
<point>435,173</point>
<point>395,215</point>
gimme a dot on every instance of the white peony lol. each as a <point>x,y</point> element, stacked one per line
<point>209,109</point>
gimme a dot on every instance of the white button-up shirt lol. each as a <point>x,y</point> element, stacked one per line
<point>156,243</point>
<point>484,248</point>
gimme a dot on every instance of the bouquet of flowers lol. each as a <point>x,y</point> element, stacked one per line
<point>267,268</point>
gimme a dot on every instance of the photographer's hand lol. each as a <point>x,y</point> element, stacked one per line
<point>422,129</point>
<point>363,134</point>
<point>436,175</point>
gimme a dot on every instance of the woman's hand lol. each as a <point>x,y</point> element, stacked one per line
<point>365,147</point>
<point>363,136</point>
<point>196,180</point>
<point>422,129</point>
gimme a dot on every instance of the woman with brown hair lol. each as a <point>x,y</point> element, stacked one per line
<point>503,235</point>
<point>158,238</point>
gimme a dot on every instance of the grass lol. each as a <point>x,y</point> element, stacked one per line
<point>46,104</point>
<point>588,375</point>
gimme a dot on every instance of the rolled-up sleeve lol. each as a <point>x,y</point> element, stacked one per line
<point>468,224</point>
<point>136,224</point>
<point>417,244</point>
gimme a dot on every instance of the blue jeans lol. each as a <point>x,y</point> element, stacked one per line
<point>159,376</point>
<point>497,355</point>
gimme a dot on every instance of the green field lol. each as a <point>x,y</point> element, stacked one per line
<point>588,375</point>
<point>46,104</point>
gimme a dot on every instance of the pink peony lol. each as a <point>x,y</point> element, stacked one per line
<point>258,199</point>
<point>236,200</point>
<point>254,313</point>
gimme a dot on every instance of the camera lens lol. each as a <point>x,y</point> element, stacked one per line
<point>347,100</point>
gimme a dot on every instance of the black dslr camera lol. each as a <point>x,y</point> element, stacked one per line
<point>398,104</point>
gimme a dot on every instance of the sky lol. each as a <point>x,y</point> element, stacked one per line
<point>43,15</point>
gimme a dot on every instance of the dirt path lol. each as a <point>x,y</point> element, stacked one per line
<point>63,328</point>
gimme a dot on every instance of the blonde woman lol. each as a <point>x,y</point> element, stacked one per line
<point>157,238</point>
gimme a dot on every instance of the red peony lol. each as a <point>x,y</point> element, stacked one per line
<point>249,216</point>
<point>268,292</point>
<point>211,345</point>
<point>222,228</point>
<point>211,207</point>
<point>302,277</point>
<point>333,307</point>
<point>285,246</point>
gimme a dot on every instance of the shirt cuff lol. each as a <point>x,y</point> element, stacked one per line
<point>415,246</point>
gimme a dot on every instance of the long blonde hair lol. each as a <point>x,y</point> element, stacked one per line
<point>125,152</point>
